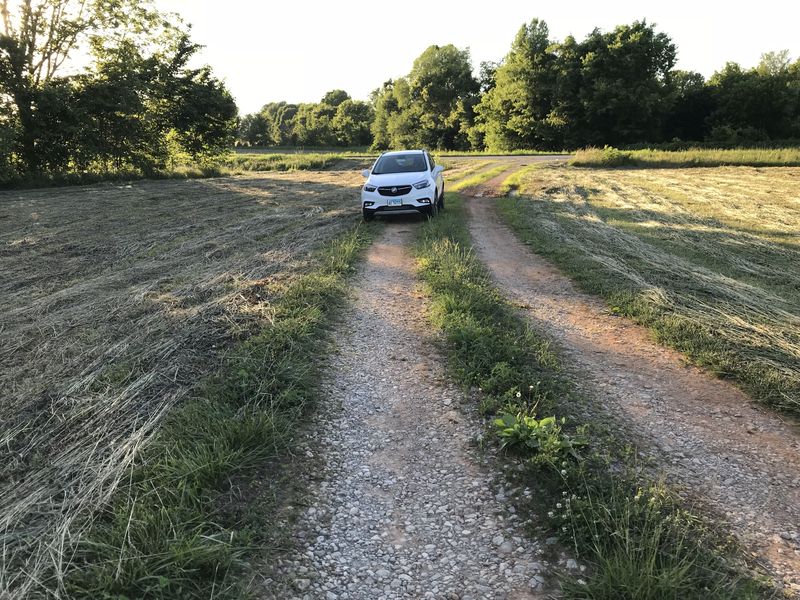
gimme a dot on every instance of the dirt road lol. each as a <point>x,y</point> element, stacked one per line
<point>405,507</point>
<point>743,460</point>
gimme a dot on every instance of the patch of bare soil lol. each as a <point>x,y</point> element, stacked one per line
<point>707,435</point>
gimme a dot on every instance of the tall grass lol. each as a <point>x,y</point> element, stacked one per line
<point>283,162</point>
<point>167,534</point>
<point>695,157</point>
<point>637,539</point>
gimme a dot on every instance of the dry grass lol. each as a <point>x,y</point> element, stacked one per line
<point>710,258</point>
<point>116,299</point>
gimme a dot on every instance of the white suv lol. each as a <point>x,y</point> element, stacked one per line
<point>405,182</point>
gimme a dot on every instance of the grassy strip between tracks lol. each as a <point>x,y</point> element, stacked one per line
<point>180,525</point>
<point>478,178</point>
<point>631,531</point>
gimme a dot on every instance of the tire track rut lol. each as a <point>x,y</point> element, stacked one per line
<point>707,434</point>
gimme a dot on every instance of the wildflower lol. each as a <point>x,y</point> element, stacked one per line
<point>563,472</point>
<point>519,394</point>
<point>550,514</point>
<point>558,504</point>
<point>564,528</point>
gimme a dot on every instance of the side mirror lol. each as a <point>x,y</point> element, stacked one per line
<point>437,169</point>
<point>365,173</point>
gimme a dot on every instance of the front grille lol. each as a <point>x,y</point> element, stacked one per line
<point>394,190</point>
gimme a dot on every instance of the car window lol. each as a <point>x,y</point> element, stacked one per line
<point>431,161</point>
<point>400,163</point>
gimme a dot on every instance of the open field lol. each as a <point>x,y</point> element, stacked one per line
<point>695,157</point>
<point>709,259</point>
<point>116,300</point>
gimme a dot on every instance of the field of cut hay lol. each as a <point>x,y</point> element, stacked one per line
<point>709,258</point>
<point>116,300</point>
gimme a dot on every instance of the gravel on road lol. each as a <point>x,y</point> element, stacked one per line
<point>408,506</point>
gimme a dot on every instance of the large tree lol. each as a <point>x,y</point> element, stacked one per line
<point>137,104</point>
<point>432,107</point>
<point>513,112</point>
<point>625,82</point>
<point>757,104</point>
<point>38,37</point>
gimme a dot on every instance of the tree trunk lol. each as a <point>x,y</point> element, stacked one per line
<point>27,143</point>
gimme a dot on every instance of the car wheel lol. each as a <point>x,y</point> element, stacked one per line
<point>433,209</point>
<point>369,215</point>
<point>441,200</point>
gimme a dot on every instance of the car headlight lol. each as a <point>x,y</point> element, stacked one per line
<point>369,188</point>
<point>421,185</point>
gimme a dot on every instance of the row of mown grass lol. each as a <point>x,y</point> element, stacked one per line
<point>657,245</point>
<point>169,531</point>
<point>632,531</point>
<point>692,157</point>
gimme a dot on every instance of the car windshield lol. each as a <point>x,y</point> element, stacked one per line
<point>400,163</point>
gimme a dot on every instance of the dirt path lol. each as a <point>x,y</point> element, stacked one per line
<point>405,507</point>
<point>744,460</point>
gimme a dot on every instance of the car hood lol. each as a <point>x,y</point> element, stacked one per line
<point>397,178</point>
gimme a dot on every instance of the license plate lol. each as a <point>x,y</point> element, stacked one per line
<point>395,201</point>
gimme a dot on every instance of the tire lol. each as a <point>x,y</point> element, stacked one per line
<point>441,199</point>
<point>369,215</point>
<point>433,210</point>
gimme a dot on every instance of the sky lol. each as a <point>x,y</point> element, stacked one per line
<point>296,50</point>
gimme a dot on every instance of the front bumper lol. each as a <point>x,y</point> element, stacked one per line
<point>415,201</point>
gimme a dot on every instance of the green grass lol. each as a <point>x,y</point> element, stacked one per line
<point>90,177</point>
<point>348,151</point>
<point>632,532</point>
<point>166,533</point>
<point>707,259</point>
<point>488,346</point>
<point>497,153</point>
<point>231,164</point>
<point>696,157</point>
<point>513,182</point>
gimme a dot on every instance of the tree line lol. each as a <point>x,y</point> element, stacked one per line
<point>612,88</point>
<point>136,106</point>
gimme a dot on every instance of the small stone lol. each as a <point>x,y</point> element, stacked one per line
<point>498,539</point>
<point>572,564</point>
<point>302,584</point>
<point>506,548</point>
<point>536,583</point>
